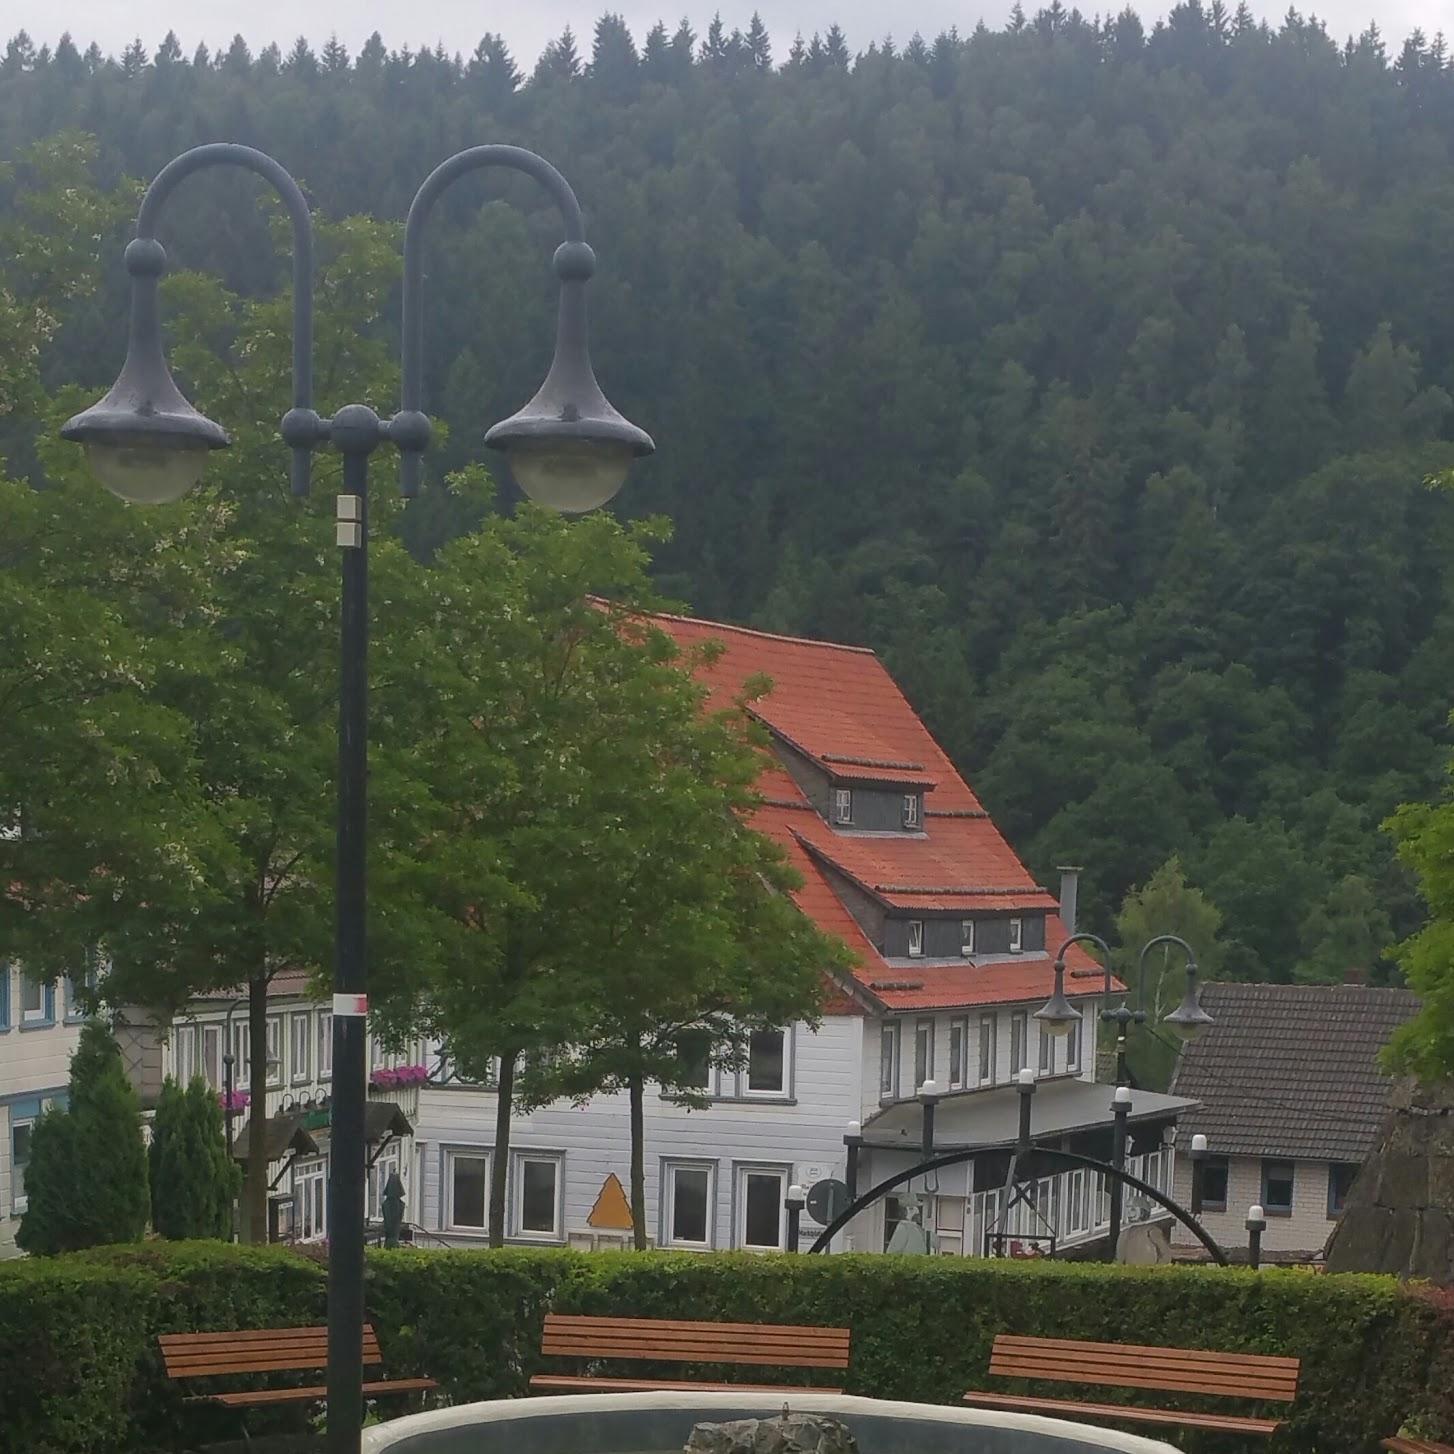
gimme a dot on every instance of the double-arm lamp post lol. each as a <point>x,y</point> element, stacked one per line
<point>568,448</point>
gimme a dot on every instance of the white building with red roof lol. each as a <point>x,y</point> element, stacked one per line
<point>953,945</point>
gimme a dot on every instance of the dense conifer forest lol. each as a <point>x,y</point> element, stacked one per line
<point>1091,371</point>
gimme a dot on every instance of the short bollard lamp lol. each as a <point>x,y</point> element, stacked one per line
<point>1256,1226</point>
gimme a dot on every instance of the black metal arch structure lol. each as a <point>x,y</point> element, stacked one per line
<point>957,1158</point>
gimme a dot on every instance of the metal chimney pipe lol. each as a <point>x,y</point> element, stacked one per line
<point>1069,893</point>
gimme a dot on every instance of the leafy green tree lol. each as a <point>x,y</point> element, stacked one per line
<point>86,1183</point>
<point>1349,930</point>
<point>193,1180</point>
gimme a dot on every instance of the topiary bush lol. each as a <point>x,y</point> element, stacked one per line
<point>79,1369</point>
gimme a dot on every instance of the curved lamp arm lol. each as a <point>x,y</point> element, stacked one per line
<point>301,422</point>
<point>1191,958</point>
<point>1188,1019</point>
<point>570,403</point>
<point>1085,938</point>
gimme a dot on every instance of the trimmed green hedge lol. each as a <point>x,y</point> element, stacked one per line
<point>79,1372</point>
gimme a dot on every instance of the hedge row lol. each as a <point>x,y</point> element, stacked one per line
<point>79,1372</point>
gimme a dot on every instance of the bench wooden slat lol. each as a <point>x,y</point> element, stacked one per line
<point>594,1323</point>
<point>699,1350</point>
<point>1149,1350</point>
<point>568,1384</point>
<point>1227,1423</point>
<point>1110,1378</point>
<point>1189,1376</point>
<point>259,1362</point>
<point>258,1396</point>
<point>1401,1444</point>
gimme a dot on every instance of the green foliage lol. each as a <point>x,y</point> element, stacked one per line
<point>78,1370</point>
<point>86,1184</point>
<point>193,1180</point>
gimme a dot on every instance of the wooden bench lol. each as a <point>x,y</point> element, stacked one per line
<point>269,1350</point>
<point>658,1340</point>
<point>1253,1376</point>
<point>1402,1445</point>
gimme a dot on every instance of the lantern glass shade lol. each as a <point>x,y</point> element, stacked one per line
<point>1188,1019</point>
<point>147,472</point>
<point>569,475</point>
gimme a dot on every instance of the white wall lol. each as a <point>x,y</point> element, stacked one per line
<point>803,1133</point>
<point>1306,1230</point>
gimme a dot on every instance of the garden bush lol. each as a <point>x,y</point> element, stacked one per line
<point>79,1369</point>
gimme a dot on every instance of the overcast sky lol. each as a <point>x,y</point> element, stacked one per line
<point>528,24</point>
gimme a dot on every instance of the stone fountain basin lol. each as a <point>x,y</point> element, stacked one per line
<point>659,1423</point>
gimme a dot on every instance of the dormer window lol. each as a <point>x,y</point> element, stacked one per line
<point>916,938</point>
<point>1017,935</point>
<point>843,805</point>
<point>911,810</point>
<point>966,937</point>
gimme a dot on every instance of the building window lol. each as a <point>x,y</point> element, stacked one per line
<point>958,1040</point>
<point>184,1054</point>
<point>1277,1188</point>
<point>537,1196</point>
<point>843,805</point>
<point>760,1212</point>
<point>689,1204</point>
<point>1017,935</point>
<point>989,1034</point>
<point>911,810</point>
<point>1046,1043</point>
<point>325,1045</point>
<point>767,1063</point>
<point>694,1052</point>
<point>1214,1184</point>
<point>966,937</point>
<point>212,1055</point>
<point>888,1059</point>
<point>302,1046</point>
<point>241,1053</point>
<point>37,1001</point>
<point>923,1052</point>
<point>1072,1046</point>
<point>310,1200</point>
<point>467,1187</point>
<point>19,1159</point>
<point>1019,1051</point>
<point>275,1050</point>
<point>1341,1175</point>
<point>916,938</point>
<point>390,1162</point>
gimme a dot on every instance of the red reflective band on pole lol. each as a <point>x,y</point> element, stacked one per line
<point>356,1006</point>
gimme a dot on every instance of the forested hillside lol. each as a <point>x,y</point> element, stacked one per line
<point>1091,372</point>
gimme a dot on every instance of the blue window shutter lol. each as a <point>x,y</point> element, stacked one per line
<point>50,1000</point>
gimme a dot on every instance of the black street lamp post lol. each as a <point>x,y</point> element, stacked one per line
<point>1120,1113</point>
<point>568,449</point>
<point>793,1205</point>
<point>1256,1226</point>
<point>929,1098</point>
<point>1198,1166</point>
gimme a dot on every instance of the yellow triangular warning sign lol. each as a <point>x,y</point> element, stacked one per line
<point>612,1212</point>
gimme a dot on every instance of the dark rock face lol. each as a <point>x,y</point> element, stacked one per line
<point>789,1434</point>
<point>1399,1216</point>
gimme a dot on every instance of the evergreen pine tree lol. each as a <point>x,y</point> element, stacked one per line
<point>86,1183</point>
<point>193,1181</point>
<point>492,71</point>
<point>238,60</point>
<point>133,59</point>
<point>169,52</point>
<point>759,45</point>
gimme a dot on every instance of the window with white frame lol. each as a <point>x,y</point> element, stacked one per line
<point>911,810</point>
<point>989,1034</point>
<point>275,1050</point>
<point>325,1045</point>
<point>390,1162</point>
<point>301,1049</point>
<point>212,1055</point>
<point>1046,1042</point>
<point>689,1203</point>
<point>888,1060</point>
<point>1019,1049</point>
<point>537,1195</point>
<point>466,1190</point>
<point>19,1160</point>
<point>966,937</point>
<point>767,1063</point>
<point>843,805</point>
<point>37,1001</point>
<point>1017,935</point>
<point>241,1053</point>
<point>1072,1046</point>
<point>958,1053</point>
<point>923,1052</point>
<point>916,938</point>
<point>184,1054</point>
<point>761,1216</point>
<point>310,1200</point>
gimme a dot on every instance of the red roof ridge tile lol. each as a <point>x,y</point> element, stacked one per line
<point>762,635</point>
<point>958,889</point>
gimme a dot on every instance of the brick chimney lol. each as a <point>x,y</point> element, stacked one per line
<point>1069,892</point>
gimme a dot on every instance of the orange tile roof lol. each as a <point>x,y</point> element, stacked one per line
<point>839,706</point>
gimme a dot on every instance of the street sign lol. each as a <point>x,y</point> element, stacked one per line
<point>827,1200</point>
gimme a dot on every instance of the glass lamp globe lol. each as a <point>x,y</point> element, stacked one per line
<point>146,473</point>
<point>570,475</point>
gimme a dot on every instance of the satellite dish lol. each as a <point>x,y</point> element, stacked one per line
<point>827,1200</point>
